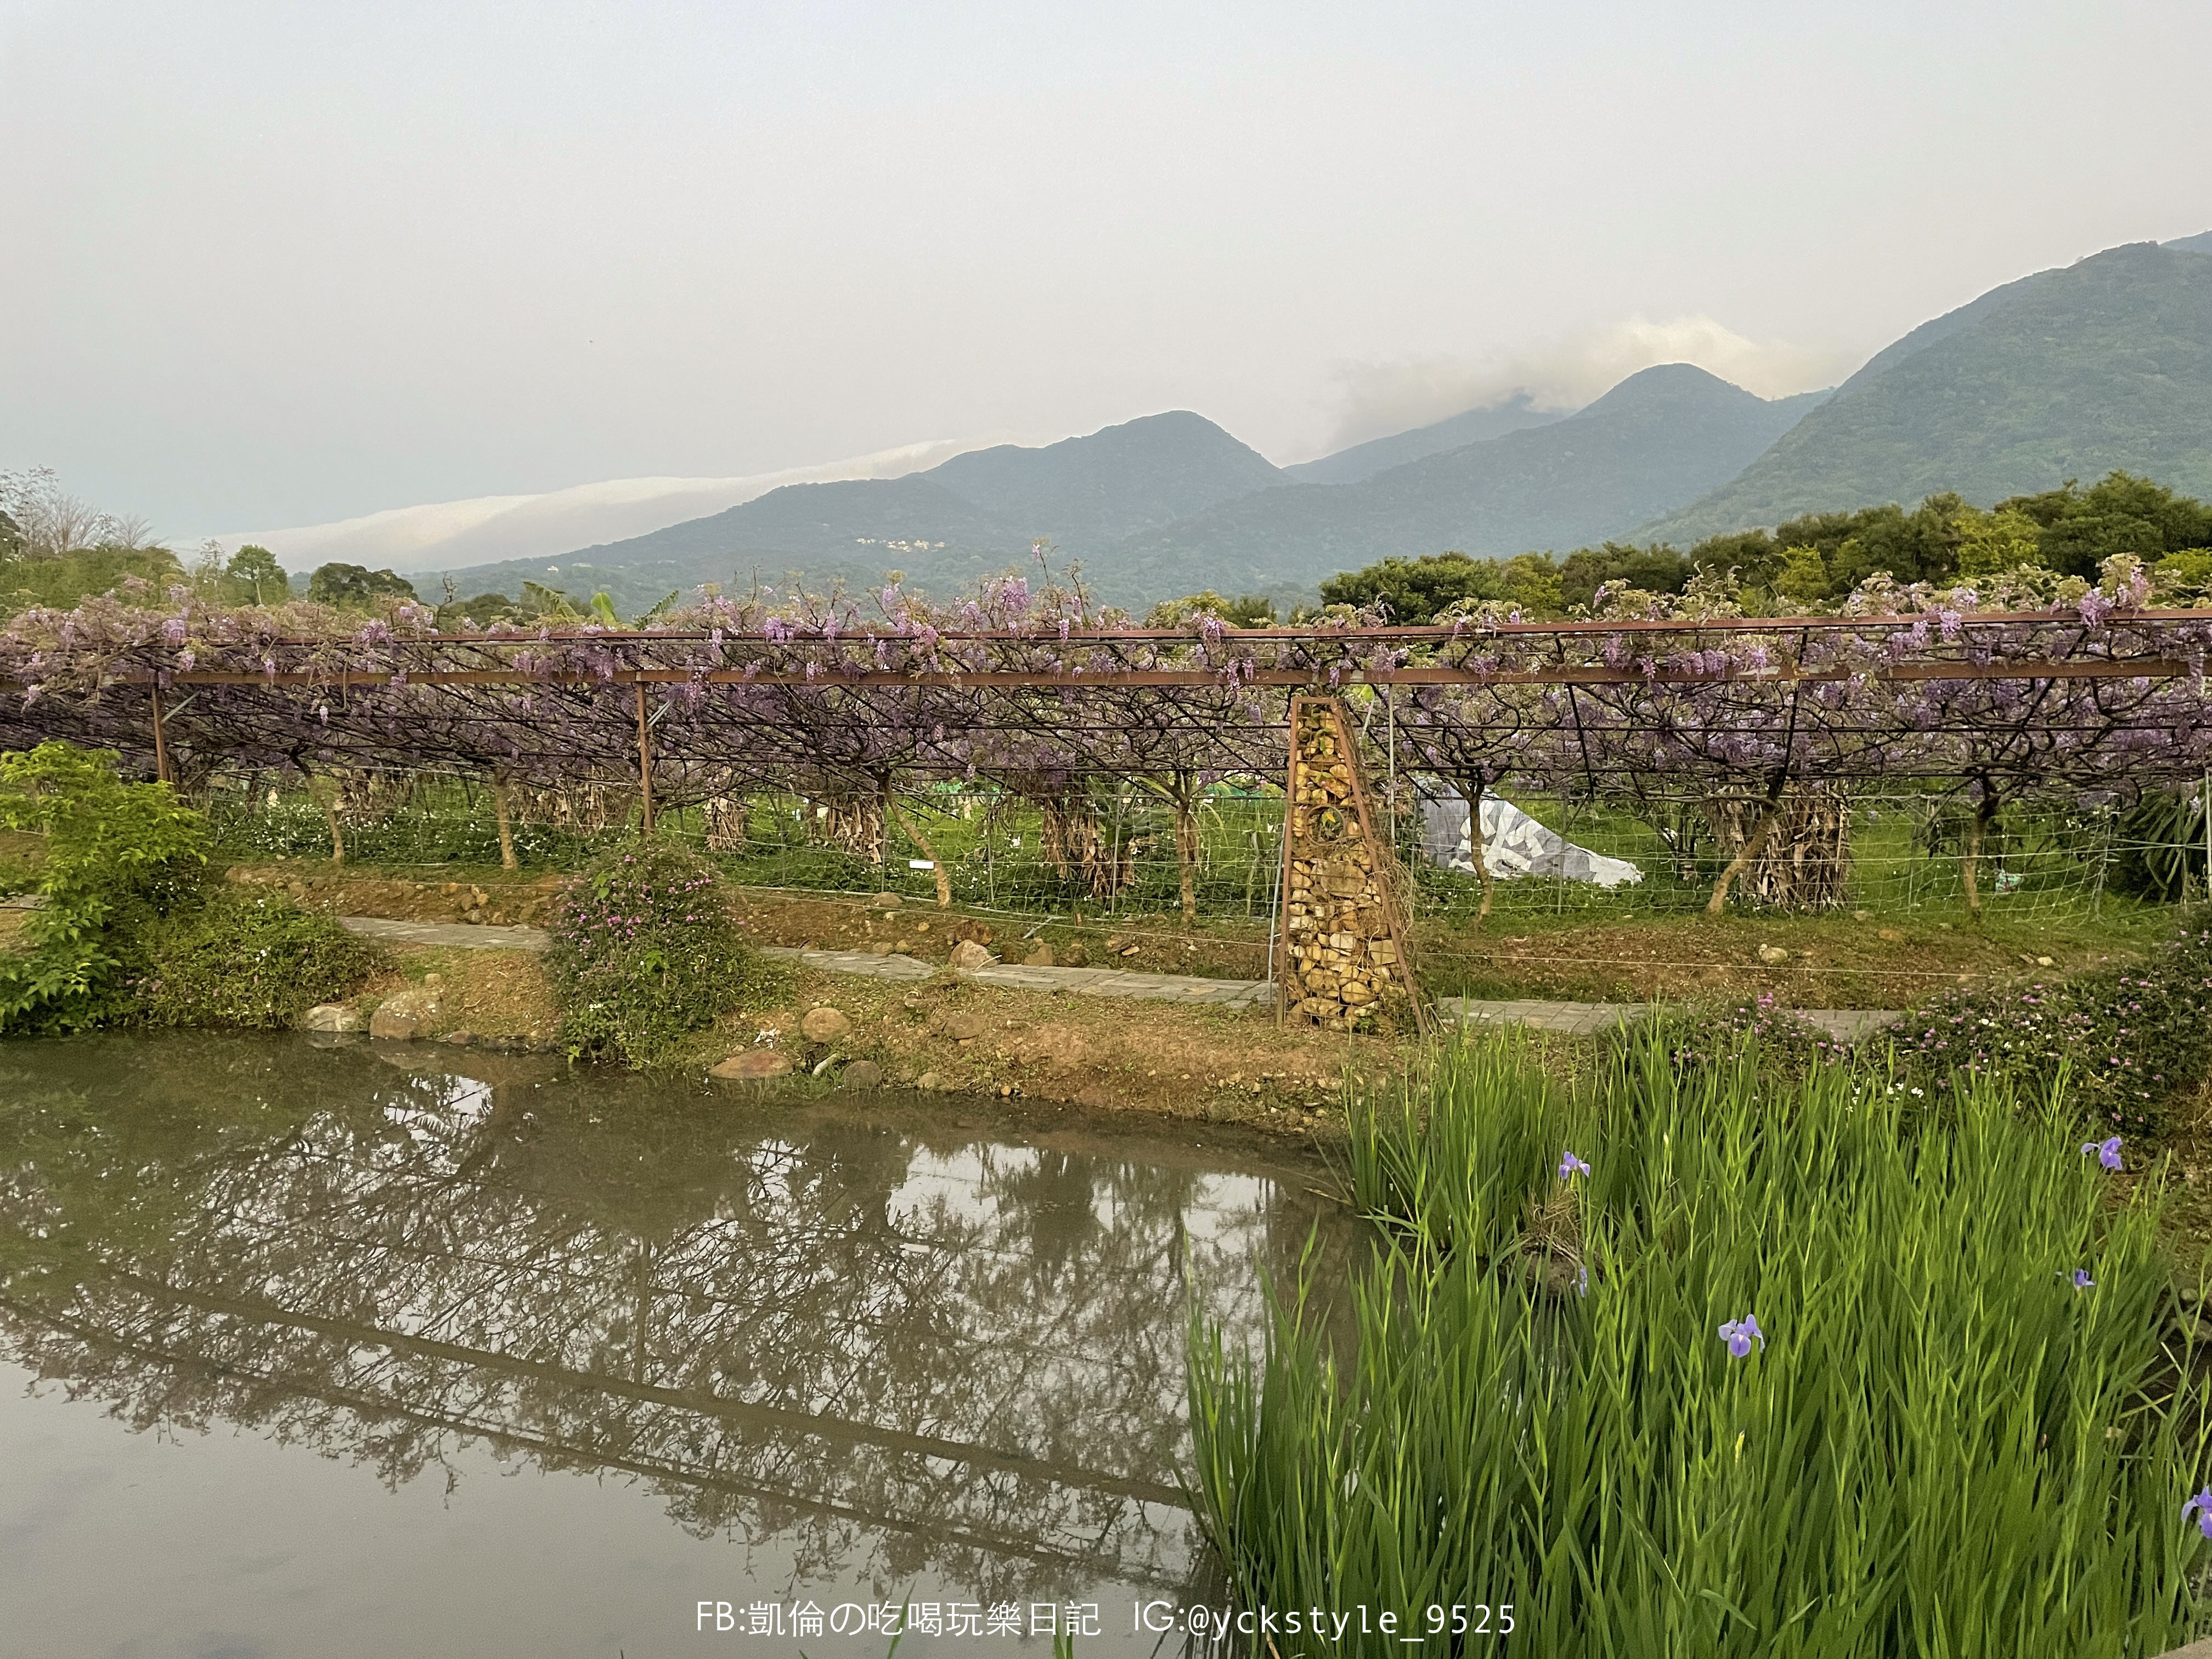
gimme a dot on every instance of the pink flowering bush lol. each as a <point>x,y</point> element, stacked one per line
<point>644,951</point>
<point>2128,1039</point>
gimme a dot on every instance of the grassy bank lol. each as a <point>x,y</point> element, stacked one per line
<point>1948,1428</point>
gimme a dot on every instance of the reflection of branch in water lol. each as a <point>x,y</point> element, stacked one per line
<point>875,1348</point>
<point>663,1475</point>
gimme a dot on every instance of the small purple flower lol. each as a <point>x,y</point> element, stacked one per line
<point>2201,1505</point>
<point>1581,1282</point>
<point>1571,1165</point>
<point>2082,1281</point>
<point>1739,1334</point>
<point>2108,1151</point>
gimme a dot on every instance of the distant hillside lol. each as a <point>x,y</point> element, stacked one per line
<point>2201,243</point>
<point>973,516</point>
<point>2068,373</point>
<point>1090,492</point>
<point>1472,426</point>
<point>1661,436</point>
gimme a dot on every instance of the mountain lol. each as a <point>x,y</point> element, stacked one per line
<point>1090,492</point>
<point>1472,426</point>
<point>971,517</point>
<point>2201,243</point>
<point>1661,436</point>
<point>2068,373</point>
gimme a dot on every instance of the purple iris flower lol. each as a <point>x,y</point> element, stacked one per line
<point>1571,1165</point>
<point>1581,1282</point>
<point>1739,1333</point>
<point>2108,1151</point>
<point>2202,1506</point>
<point>2082,1281</point>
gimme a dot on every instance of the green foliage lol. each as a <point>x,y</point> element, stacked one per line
<point>259,580</point>
<point>2119,1043</point>
<point>1418,591</point>
<point>1245,610</point>
<point>2162,841</point>
<point>117,857</point>
<point>644,951</point>
<point>482,611</point>
<point>2077,529</point>
<point>248,960</point>
<point>351,586</point>
<point>1936,1443</point>
<point>64,582</point>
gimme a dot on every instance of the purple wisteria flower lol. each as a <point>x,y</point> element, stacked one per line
<point>2201,1505</point>
<point>1739,1333</point>
<point>2108,1151</point>
<point>1571,1165</point>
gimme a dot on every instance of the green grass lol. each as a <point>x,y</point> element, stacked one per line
<point>1943,1447</point>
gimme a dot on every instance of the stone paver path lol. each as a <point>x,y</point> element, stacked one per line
<point>452,935</point>
<point>1587,1018</point>
<point>1571,1018</point>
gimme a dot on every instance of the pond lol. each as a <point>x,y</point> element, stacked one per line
<point>349,1350</point>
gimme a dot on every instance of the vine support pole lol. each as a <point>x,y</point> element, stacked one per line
<point>644,759</point>
<point>160,741</point>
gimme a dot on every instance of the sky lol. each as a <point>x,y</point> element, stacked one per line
<point>277,265</point>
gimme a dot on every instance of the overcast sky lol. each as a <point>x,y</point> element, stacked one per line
<point>268,264</point>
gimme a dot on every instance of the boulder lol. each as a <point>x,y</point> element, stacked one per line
<point>1773,955</point>
<point>861,1075</point>
<point>1040,958</point>
<point>885,902</point>
<point>968,957</point>
<point>754,1066</point>
<point>824,1024</point>
<point>406,1016</point>
<point>962,1028</point>
<point>335,1017</point>
<point>930,1082</point>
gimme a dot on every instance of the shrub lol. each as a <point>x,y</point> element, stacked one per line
<point>2124,1039</point>
<point>248,960</point>
<point>118,858</point>
<point>1783,1042</point>
<point>643,950</point>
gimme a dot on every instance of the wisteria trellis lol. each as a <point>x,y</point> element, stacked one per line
<point>1037,691</point>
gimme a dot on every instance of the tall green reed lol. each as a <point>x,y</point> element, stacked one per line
<point>1939,1444</point>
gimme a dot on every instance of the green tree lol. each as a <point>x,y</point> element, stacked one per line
<point>2080,529</point>
<point>350,586</point>
<point>255,569</point>
<point>1245,610</point>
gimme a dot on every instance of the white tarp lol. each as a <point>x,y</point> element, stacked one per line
<point>1514,844</point>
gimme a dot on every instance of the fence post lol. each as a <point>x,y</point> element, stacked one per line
<point>644,756</point>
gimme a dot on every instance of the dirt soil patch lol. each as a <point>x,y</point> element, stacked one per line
<point>484,994</point>
<point>1805,962</point>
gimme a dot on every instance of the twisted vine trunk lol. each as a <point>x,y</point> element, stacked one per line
<point>914,834</point>
<point>1970,871</point>
<point>501,811</point>
<point>1753,844</point>
<point>1478,841</point>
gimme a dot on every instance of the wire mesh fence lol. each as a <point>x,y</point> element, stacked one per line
<point>1111,850</point>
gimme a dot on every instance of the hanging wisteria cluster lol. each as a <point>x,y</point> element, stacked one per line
<point>1035,690</point>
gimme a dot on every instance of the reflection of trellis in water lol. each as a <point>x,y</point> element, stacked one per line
<point>1044,706</point>
<point>893,1354</point>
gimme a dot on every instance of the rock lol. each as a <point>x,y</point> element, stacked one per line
<point>335,1017</point>
<point>962,1028</point>
<point>1094,1097</point>
<point>824,1024</point>
<point>882,947</point>
<point>433,979</point>
<point>1861,915</point>
<point>1889,935</point>
<point>861,1075</point>
<point>405,1015</point>
<point>1040,958</point>
<point>968,957</point>
<point>1131,949</point>
<point>885,902</point>
<point>2045,961</point>
<point>1773,955</point>
<point>930,1082</point>
<point>754,1066</point>
<point>460,1039</point>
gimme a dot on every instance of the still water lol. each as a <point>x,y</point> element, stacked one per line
<point>336,1350</point>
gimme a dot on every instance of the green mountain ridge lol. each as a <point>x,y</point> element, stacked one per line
<point>1472,426</point>
<point>2069,373</point>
